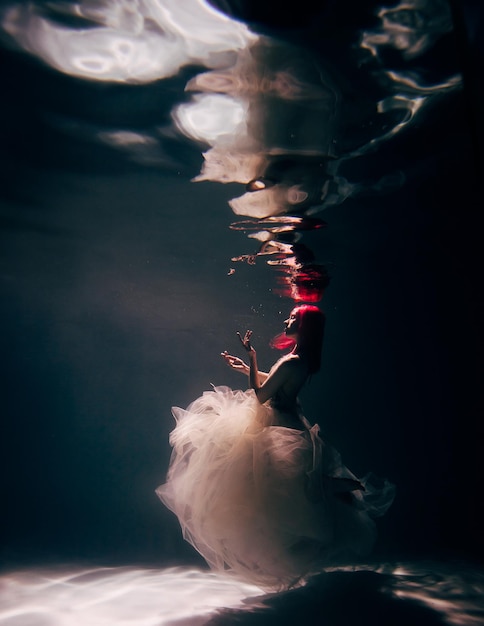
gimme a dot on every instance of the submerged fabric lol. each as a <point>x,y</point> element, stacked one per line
<point>267,502</point>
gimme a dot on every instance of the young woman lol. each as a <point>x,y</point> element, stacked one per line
<point>256,490</point>
<point>304,334</point>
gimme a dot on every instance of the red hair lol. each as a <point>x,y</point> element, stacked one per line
<point>310,333</point>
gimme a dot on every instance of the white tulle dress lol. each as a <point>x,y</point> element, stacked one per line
<point>269,503</point>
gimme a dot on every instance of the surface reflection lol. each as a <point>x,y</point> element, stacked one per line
<point>299,276</point>
<point>406,593</point>
<point>282,121</point>
<point>286,121</point>
<point>411,27</point>
<point>124,41</point>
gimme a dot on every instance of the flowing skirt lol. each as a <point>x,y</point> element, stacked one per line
<point>269,503</point>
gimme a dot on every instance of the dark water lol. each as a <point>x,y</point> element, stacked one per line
<point>341,160</point>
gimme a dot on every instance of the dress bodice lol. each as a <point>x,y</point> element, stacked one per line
<point>286,411</point>
<point>285,404</point>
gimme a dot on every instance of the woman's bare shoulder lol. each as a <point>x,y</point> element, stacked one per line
<point>293,362</point>
<point>289,365</point>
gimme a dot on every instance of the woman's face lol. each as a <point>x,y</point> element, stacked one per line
<point>292,324</point>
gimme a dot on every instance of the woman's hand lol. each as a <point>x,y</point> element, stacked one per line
<point>235,363</point>
<point>246,342</point>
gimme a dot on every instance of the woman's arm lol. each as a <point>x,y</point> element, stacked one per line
<point>240,366</point>
<point>264,388</point>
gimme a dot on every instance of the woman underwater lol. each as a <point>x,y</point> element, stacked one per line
<point>256,490</point>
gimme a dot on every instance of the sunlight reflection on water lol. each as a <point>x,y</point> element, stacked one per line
<point>257,102</point>
<point>126,41</point>
<point>74,596</point>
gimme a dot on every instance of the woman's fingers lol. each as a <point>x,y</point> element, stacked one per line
<point>246,340</point>
<point>233,361</point>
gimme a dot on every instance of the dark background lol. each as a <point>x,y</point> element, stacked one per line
<point>116,304</point>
